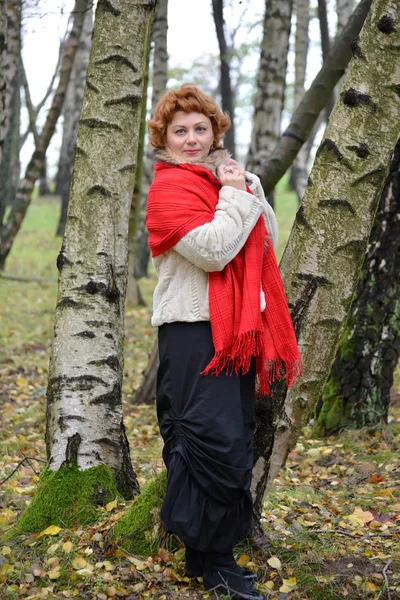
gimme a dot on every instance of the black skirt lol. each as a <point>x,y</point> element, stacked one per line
<point>207,424</point>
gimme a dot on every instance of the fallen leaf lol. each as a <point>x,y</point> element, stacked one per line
<point>274,562</point>
<point>51,530</point>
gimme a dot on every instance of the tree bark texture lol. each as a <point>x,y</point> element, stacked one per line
<point>227,94</point>
<point>302,38</point>
<point>326,247</point>
<point>357,393</point>
<point>10,164</point>
<point>3,43</point>
<point>9,230</point>
<point>275,165</point>
<point>160,80</point>
<point>146,394</point>
<point>72,111</point>
<point>271,79</point>
<point>84,410</point>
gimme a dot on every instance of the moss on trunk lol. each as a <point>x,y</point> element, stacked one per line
<point>141,531</point>
<point>68,497</point>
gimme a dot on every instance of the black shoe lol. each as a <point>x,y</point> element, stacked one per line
<point>222,574</point>
<point>195,561</point>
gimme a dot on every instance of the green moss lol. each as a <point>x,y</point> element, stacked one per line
<point>141,530</point>
<point>332,413</point>
<point>68,498</point>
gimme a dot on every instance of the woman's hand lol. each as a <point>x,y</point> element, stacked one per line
<point>232,173</point>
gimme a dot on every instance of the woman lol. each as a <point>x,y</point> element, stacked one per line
<point>223,326</point>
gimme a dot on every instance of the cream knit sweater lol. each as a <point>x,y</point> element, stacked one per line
<point>181,293</point>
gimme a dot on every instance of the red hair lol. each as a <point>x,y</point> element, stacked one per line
<point>189,98</point>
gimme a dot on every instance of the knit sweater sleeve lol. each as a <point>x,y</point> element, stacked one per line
<point>213,245</point>
<point>271,223</point>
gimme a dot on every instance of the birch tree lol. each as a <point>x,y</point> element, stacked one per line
<point>270,82</point>
<point>324,254</point>
<point>87,447</point>
<point>344,9</point>
<point>159,85</point>
<point>10,228</point>
<point>3,42</point>
<point>357,392</point>
<point>72,111</point>
<point>10,165</point>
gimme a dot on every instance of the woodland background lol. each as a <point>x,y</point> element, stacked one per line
<point>79,437</point>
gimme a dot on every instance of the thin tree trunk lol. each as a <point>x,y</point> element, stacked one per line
<point>160,79</point>
<point>227,96</point>
<point>23,197</point>
<point>314,100</point>
<point>344,9</point>
<point>299,172</point>
<point>323,258</point>
<point>146,394</point>
<point>72,111</point>
<point>357,393</point>
<point>271,79</point>
<point>86,366</point>
<point>3,45</point>
<point>325,47</point>
<point>10,164</point>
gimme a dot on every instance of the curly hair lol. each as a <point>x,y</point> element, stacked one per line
<point>189,98</point>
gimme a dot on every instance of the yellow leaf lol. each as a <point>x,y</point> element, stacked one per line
<point>139,564</point>
<point>274,562</point>
<point>79,563</point>
<point>139,587</point>
<point>6,550</point>
<point>111,505</point>
<point>67,546</point>
<point>51,530</point>
<point>269,585</point>
<point>291,581</point>
<point>243,560</point>
<point>370,587</point>
<point>54,573</point>
<point>21,382</point>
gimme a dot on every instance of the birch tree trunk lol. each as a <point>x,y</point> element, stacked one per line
<point>357,393</point>
<point>9,230</point>
<point>3,42</point>
<point>299,168</point>
<point>72,111</point>
<point>10,165</point>
<point>85,433</point>
<point>270,83</point>
<point>325,47</point>
<point>323,257</point>
<point>227,95</point>
<point>160,80</point>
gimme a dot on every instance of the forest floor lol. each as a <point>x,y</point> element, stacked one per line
<point>332,516</point>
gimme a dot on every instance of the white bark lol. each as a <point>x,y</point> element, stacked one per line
<point>84,414</point>
<point>299,169</point>
<point>72,111</point>
<point>3,38</point>
<point>322,260</point>
<point>270,82</point>
<point>344,8</point>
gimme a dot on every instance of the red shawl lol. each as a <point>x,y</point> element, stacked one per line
<point>184,196</point>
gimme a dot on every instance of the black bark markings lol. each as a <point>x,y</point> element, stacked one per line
<point>111,361</point>
<point>91,86</point>
<point>62,260</point>
<point>361,150</point>
<point>95,123</point>
<point>61,421</point>
<point>292,135</point>
<point>68,302</point>
<point>109,7</point>
<point>335,202</point>
<point>130,100</point>
<point>396,88</point>
<point>374,177</point>
<point>386,24</point>
<point>83,383</point>
<point>85,334</point>
<point>99,324</point>
<point>356,48</point>
<point>300,306</point>
<point>353,98</point>
<point>71,452</point>
<point>301,218</point>
<point>99,189</point>
<point>119,58</point>
<point>128,167</point>
<point>330,146</point>
<point>357,247</point>
<point>111,398</point>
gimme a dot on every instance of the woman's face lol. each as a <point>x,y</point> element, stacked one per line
<point>190,135</point>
